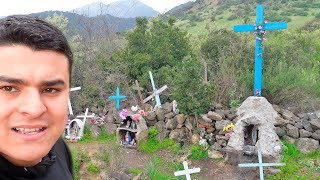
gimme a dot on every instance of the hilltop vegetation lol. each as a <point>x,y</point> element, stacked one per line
<point>226,13</point>
<point>177,58</point>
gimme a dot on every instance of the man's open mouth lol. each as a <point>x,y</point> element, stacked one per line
<point>29,130</point>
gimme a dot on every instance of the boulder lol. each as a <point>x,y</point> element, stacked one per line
<point>287,114</point>
<point>206,119</point>
<point>231,117</point>
<point>151,116</point>
<point>220,124</point>
<point>95,131</point>
<point>171,124</point>
<point>169,115</point>
<point>304,134</point>
<point>180,118</point>
<point>307,125</point>
<point>306,145</point>
<point>167,107</point>
<point>315,124</point>
<point>289,139</point>
<point>160,114</point>
<point>316,135</point>
<point>110,128</point>
<point>214,154</point>
<point>160,126</point>
<point>292,131</point>
<point>280,132</point>
<point>188,124</point>
<point>259,113</point>
<point>214,116</point>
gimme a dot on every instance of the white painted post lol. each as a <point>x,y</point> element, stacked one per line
<point>69,102</point>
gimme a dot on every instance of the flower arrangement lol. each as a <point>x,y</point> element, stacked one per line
<point>259,32</point>
<point>229,129</point>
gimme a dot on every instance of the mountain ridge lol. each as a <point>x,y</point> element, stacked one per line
<point>121,8</point>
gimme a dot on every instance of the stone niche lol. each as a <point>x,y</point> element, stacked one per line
<point>254,130</point>
<point>138,132</point>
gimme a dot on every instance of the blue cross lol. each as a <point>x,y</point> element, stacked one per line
<point>117,97</point>
<point>260,27</point>
<point>261,165</point>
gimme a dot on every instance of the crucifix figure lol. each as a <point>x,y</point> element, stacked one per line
<point>117,98</point>
<point>260,28</point>
<point>261,165</point>
<point>69,102</point>
<point>187,171</point>
<point>155,93</point>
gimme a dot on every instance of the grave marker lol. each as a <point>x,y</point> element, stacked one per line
<point>187,171</point>
<point>69,102</point>
<point>117,98</point>
<point>261,165</point>
<point>155,93</point>
<point>260,27</point>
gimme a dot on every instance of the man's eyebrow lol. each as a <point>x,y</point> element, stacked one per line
<point>12,80</point>
<point>53,82</point>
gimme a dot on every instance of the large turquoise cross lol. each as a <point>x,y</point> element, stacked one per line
<point>260,27</point>
<point>117,98</point>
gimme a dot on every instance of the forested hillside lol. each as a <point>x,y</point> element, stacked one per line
<point>178,58</point>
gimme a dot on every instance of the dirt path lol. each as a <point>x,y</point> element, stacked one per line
<point>210,169</point>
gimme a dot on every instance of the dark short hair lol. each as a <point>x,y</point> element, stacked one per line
<point>34,33</point>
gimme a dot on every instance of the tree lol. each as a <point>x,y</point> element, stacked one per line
<point>161,47</point>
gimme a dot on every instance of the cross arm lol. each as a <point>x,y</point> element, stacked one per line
<point>275,25</point>
<point>243,28</point>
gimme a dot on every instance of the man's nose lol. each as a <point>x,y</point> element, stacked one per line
<point>32,104</point>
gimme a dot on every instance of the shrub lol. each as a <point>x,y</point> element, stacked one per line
<point>197,153</point>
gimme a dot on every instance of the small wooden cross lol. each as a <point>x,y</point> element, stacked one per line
<point>187,171</point>
<point>261,165</point>
<point>261,26</point>
<point>69,102</point>
<point>155,93</point>
<point>117,98</point>
<point>139,89</point>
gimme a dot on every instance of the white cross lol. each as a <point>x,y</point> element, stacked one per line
<point>86,116</point>
<point>155,93</point>
<point>69,102</point>
<point>187,171</point>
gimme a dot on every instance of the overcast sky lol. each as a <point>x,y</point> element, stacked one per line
<point>9,7</point>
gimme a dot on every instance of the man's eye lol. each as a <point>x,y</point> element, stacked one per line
<point>8,88</point>
<point>50,90</point>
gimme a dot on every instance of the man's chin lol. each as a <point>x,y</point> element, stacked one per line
<point>27,157</point>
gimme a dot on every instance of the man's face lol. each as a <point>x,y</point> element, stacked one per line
<point>34,91</point>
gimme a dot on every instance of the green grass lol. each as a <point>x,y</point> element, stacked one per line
<point>298,165</point>
<point>153,145</point>
<point>198,153</point>
<point>93,168</point>
<point>159,169</point>
<point>87,138</point>
<point>221,20</point>
<point>135,171</point>
<point>78,157</point>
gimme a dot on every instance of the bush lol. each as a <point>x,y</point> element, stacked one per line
<point>197,153</point>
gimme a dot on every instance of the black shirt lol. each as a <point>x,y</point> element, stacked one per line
<point>57,165</point>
